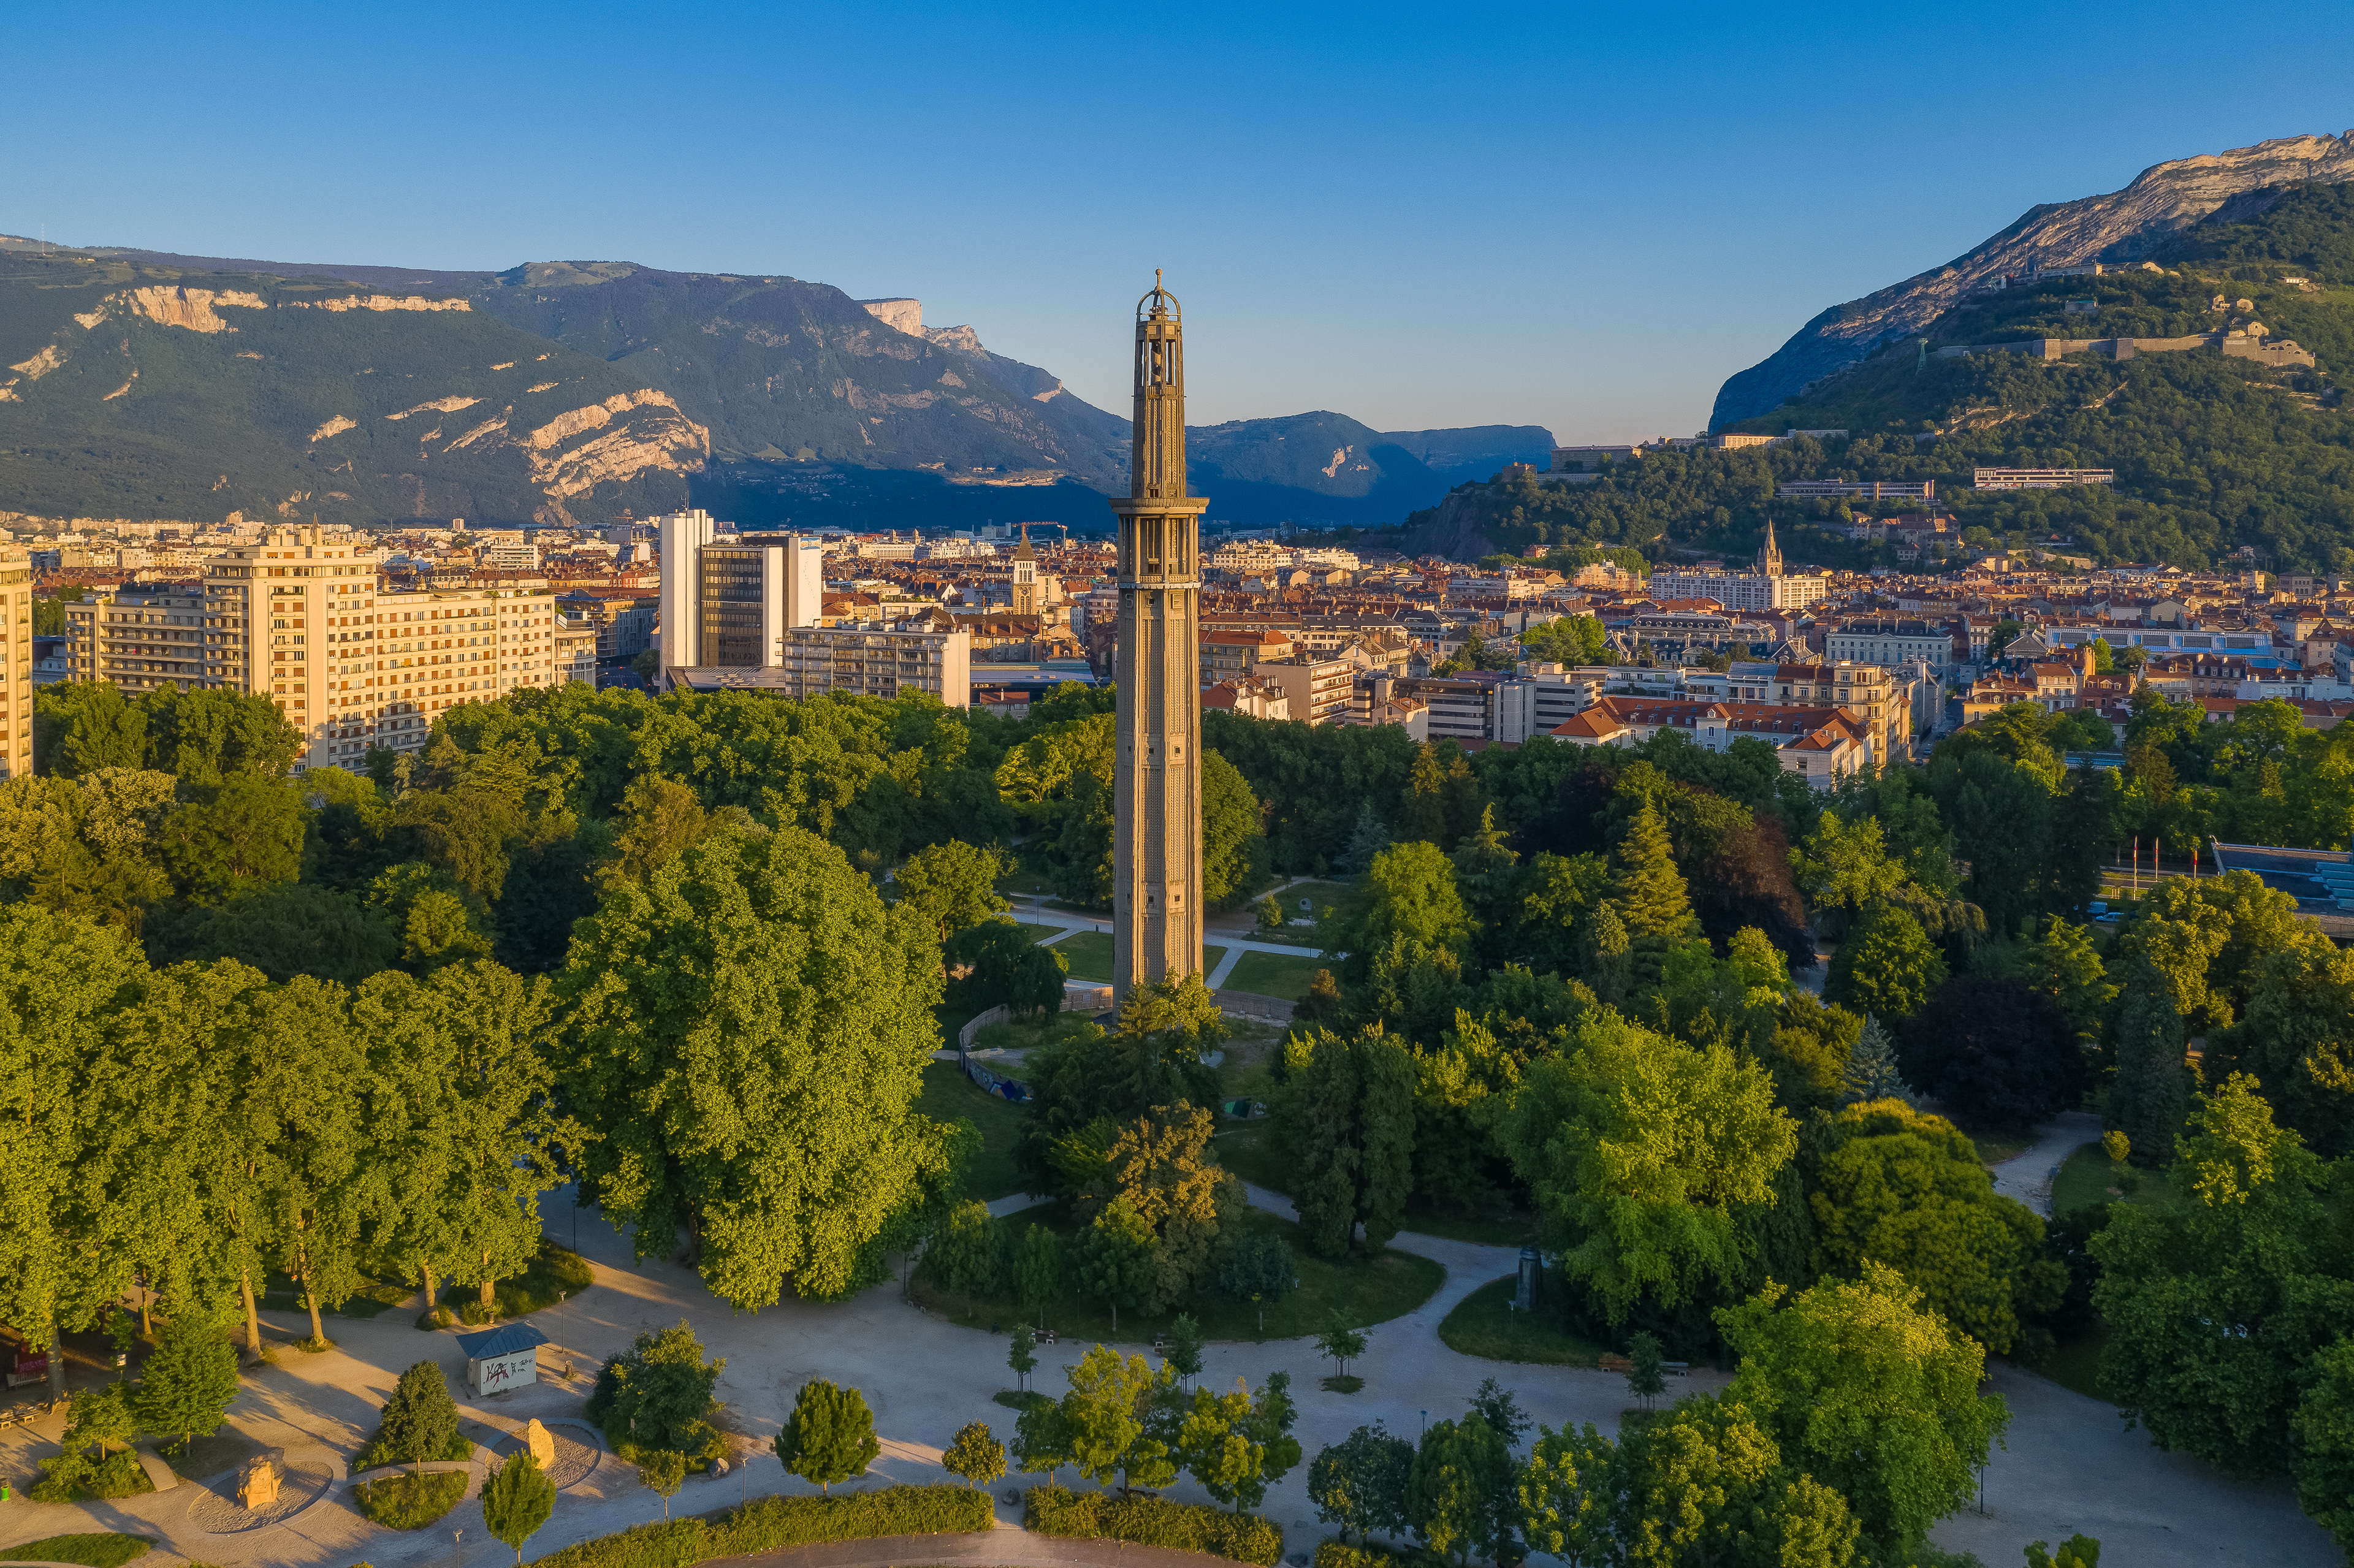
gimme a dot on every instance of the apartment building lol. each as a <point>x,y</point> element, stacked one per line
<point>142,639</point>
<point>1228,652</point>
<point>307,622</point>
<point>15,665</point>
<point>1820,745</point>
<point>876,662</point>
<point>1891,643</point>
<point>1316,690</point>
<point>575,653</point>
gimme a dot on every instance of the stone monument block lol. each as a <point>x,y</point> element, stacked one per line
<point>541,1443</point>
<point>256,1484</point>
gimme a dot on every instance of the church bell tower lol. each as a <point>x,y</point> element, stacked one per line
<point>1157,783</point>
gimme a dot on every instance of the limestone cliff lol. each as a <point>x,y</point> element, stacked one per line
<point>2123,227</point>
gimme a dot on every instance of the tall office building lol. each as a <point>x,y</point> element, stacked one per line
<point>1157,773</point>
<point>727,603</point>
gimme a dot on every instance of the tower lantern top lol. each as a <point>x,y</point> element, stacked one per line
<point>1162,302</point>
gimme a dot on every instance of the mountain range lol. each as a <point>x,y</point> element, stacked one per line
<point>2147,221</point>
<point>148,384</point>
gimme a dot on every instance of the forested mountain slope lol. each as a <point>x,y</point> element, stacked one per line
<point>2212,453</point>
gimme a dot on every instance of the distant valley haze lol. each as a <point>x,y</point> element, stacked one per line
<point>1579,219</point>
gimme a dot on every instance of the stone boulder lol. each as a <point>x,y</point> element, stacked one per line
<point>256,1484</point>
<point>541,1443</point>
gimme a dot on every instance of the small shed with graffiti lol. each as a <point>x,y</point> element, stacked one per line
<point>502,1358</point>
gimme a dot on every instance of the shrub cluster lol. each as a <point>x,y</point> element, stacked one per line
<point>411,1502</point>
<point>1340,1554</point>
<point>1153,1522</point>
<point>772,1522</point>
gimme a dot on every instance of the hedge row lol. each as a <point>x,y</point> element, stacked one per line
<point>1153,1522</point>
<point>772,1522</point>
<point>1339,1555</point>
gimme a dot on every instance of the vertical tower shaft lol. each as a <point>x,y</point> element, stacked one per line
<point>1157,784</point>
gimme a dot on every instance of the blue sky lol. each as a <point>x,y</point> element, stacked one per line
<point>1583,218</point>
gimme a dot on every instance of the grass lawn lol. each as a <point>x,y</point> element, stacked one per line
<point>98,1550</point>
<point>1251,1153</point>
<point>1362,1290</point>
<point>556,1271</point>
<point>1484,1325</point>
<point>948,1095</point>
<point>1040,933</point>
<point>280,1294</point>
<point>1317,893</point>
<point>1090,955</point>
<point>1274,974</point>
<point>1487,1230</point>
<point>1211,958</point>
<point>1994,1148</point>
<point>2086,1177</point>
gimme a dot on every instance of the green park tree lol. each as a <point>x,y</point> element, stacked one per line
<point>243,832</point>
<point>1259,1268</point>
<point>1022,1356</point>
<point>1645,1379</point>
<point>1647,894</point>
<point>976,1456</point>
<point>1463,1493</point>
<point>1647,1158</point>
<point>189,1383</point>
<point>1869,1393</point>
<point>1349,1118</point>
<point>1565,1495</point>
<point>760,998</point>
<point>1341,1344</point>
<point>419,1421</point>
<point>1104,1414</point>
<point>1707,1482</point>
<point>1185,1346</point>
<point>1113,1256</point>
<point>1906,1189</point>
<point>661,1471</point>
<point>2151,1096</point>
<point>518,1497</point>
<point>2218,1304</point>
<point>1870,1073</point>
<point>1360,1483</point>
<point>952,886</point>
<point>1887,967</point>
<point>657,1394</point>
<point>2322,1432</point>
<point>830,1435</point>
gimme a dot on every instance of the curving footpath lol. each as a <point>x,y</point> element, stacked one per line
<point>2070,1463</point>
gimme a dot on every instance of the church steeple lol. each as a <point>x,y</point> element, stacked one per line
<point>1769,559</point>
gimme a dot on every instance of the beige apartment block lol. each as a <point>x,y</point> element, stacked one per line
<point>306,622</point>
<point>16,664</point>
<point>141,638</point>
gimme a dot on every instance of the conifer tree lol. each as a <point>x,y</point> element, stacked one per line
<point>830,1435</point>
<point>421,1420</point>
<point>187,1385</point>
<point>1366,840</point>
<point>1870,1073</point>
<point>2150,1099</point>
<point>1351,1126</point>
<point>519,1497</point>
<point>1650,895</point>
<point>1607,960</point>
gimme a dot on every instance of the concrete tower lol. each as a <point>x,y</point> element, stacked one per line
<point>1157,784</point>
